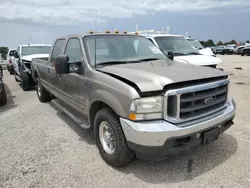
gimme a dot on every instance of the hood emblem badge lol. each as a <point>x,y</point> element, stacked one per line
<point>209,100</point>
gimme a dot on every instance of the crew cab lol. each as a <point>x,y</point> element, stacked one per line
<point>182,50</point>
<point>22,59</point>
<point>136,100</point>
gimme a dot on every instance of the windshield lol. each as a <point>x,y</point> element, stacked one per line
<point>178,45</point>
<point>195,43</point>
<point>11,53</point>
<point>111,48</point>
<point>29,50</point>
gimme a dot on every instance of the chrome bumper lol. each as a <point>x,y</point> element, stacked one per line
<point>155,133</point>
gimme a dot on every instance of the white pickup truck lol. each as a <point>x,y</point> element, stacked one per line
<point>182,50</point>
<point>197,44</point>
<point>22,59</point>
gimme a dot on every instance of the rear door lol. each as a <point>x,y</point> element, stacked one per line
<point>54,79</point>
<point>15,60</point>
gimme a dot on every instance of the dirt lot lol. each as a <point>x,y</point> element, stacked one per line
<point>39,147</point>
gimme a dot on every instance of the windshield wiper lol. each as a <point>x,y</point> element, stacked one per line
<point>176,53</point>
<point>112,62</point>
<point>193,53</point>
<point>145,59</point>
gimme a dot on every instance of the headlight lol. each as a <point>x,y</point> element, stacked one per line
<point>147,108</point>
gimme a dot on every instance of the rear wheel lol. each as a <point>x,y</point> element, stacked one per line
<point>42,94</point>
<point>3,97</point>
<point>110,139</point>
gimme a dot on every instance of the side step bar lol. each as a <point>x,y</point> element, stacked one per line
<point>81,121</point>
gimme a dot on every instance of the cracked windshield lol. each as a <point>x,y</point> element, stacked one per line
<point>103,94</point>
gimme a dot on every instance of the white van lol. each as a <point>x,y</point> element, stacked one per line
<point>182,49</point>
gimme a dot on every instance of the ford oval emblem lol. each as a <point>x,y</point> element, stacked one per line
<point>209,100</point>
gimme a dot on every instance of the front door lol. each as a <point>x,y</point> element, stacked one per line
<point>70,82</point>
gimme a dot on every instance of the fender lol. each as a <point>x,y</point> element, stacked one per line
<point>110,100</point>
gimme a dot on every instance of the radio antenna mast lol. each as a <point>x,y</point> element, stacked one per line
<point>95,35</point>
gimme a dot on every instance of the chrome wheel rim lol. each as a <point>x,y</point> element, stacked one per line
<point>39,90</point>
<point>107,138</point>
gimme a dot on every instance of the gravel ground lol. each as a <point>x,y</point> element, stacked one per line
<point>40,147</point>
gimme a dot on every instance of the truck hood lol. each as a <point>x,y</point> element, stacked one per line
<point>201,60</point>
<point>30,57</point>
<point>154,75</point>
<point>206,51</point>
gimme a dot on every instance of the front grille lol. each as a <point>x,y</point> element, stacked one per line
<point>247,51</point>
<point>189,103</point>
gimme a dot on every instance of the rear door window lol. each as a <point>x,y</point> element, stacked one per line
<point>57,50</point>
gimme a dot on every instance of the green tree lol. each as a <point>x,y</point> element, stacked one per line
<point>247,41</point>
<point>209,43</point>
<point>219,43</point>
<point>3,51</point>
<point>202,43</point>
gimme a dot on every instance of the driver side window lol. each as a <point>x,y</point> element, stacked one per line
<point>73,49</point>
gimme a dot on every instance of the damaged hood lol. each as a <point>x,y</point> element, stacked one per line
<point>154,75</point>
<point>202,60</point>
<point>30,57</point>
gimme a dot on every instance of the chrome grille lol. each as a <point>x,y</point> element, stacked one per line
<point>189,103</point>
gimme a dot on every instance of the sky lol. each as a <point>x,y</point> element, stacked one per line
<point>41,21</point>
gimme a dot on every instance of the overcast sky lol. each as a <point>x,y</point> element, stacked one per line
<point>40,21</point>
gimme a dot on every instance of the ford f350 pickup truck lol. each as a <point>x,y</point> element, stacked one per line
<point>136,100</point>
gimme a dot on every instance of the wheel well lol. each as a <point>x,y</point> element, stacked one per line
<point>35,76</point>
<point>94,109</point>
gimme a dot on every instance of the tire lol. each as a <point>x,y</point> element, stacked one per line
<point>11,71</point>
<point>122,155</point>
<point>42,94</point>
<point>242,54</point>
<point>25,81</point>
<point>3,97</point>
<point>15,77</point>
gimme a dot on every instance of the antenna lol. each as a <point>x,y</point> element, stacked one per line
<point>95,35</point>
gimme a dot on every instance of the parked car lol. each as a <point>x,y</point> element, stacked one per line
<point>239,49</point>
<point>246,50</point>
<point>136,100</point>
<point>10,57</point>
<point>196,43</point>
<point>219,49</point>
<point>213,48</point>
<point>22,59</point>
<point>3,97</point>
<point>232,48</point>
<point>223,50</point>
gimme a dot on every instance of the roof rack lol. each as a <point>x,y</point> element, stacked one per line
<point>151,31</point>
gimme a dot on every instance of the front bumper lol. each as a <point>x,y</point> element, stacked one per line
<point>161,137</point>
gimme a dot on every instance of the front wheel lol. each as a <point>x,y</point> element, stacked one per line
<point>25,81</point>
<point>110,139</point>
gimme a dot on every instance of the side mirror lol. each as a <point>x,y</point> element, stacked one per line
<point>171,55</point>
<point>16,54</point>
<point>61,65</point>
